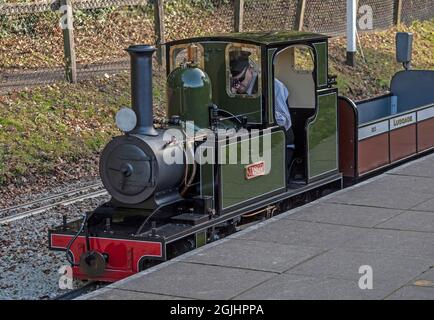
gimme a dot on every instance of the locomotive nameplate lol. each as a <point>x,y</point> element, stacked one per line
<point>255,170</point>
<point>402,121</point>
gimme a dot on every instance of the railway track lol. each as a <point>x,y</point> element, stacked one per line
<point>18,212</point>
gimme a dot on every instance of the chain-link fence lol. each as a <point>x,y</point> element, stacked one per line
<point>329,16</point>
<point>326,16</point>
<point>416,10</point>
<point>263,15</point>
<point>32,44</point>
<point>31,49</point>
<point>102,34</point>
<point>32,41</point>
<point>191,18</point>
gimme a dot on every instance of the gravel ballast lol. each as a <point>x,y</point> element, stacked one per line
<point>28,270</point>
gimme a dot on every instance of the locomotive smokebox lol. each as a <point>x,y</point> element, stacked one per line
<point>141,88</point>
<point>133,167</point>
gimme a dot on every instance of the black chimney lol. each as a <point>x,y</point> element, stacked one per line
<point>141,88</point>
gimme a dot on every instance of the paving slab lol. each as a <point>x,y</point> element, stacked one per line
<point>196,281</point>
<point>411,221</point>
<point>289,286</point>
<point>413,293</point>
<point>391,191</point>
<point>396,270</point>
<point>343,214</point>
<point>116,294</point>
<point>425,206</point>
<point>424,168</point>
<point>257,255</point>
<point>426,279</point>
<point>409,243</point>
<point>303,233</point>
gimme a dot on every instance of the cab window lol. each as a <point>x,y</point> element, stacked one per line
<point>303,60</point>
<point>185,53</point>
<point>243,70</point>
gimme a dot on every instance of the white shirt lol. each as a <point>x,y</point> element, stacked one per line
<point>252,83</point>
<point>281,94</point>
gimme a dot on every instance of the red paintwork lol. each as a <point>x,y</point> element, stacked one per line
<point>124,255</point>
<point>402,142</point>
<point>347,139</point>
<point>425,135</point>
<point>373,153</point>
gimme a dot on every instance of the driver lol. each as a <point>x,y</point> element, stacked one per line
<point>245,81</point>
<point>244,75</point>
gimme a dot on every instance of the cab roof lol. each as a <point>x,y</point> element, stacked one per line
<point>267,38</point>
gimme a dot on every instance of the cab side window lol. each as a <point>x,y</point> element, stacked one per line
<point>184,53</point>
<point>243,70</point>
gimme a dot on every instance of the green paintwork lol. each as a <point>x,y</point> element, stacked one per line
<point>200,239</point>
<point>261,38</point>
<point>322,65</point>
<point>321,132</point>
<point>236,189</point>
<point>322,137</point>
<point>189,95</point>
<point>207,177</point>
<point>215,67</point>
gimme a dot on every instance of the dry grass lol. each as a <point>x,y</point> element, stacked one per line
<point>59,129</point>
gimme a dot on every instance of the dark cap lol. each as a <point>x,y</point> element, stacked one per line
<point>239,60</point>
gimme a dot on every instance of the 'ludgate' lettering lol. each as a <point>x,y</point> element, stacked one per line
<point>401,121</point>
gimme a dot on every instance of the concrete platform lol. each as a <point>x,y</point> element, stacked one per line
<point>314,252</point>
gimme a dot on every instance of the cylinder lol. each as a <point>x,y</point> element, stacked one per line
<point>141,88</point>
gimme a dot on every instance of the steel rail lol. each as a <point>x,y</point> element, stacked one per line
<point>31,212</point>
<point>50,198</point>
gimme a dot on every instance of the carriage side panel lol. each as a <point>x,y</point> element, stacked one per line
<point>425,129</point>
<point>402,137</point>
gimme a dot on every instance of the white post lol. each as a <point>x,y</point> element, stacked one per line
<point>351,32</point>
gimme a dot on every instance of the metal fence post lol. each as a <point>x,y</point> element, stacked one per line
<point>398,12</point>
<point>238,15</point>
<point>159,31</point>
<point>351,32</point>
<point>67,22</point>
<point>299,17</point>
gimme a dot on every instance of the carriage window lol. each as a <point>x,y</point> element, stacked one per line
<point>303,60</point>
<point>243,70</point>
<point>184,53</point>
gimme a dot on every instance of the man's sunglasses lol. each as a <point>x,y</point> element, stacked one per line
<point>237,81</point>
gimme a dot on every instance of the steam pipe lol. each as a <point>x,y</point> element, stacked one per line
<point>141,88</point>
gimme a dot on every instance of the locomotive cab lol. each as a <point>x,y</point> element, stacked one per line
<point>299,61</point>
